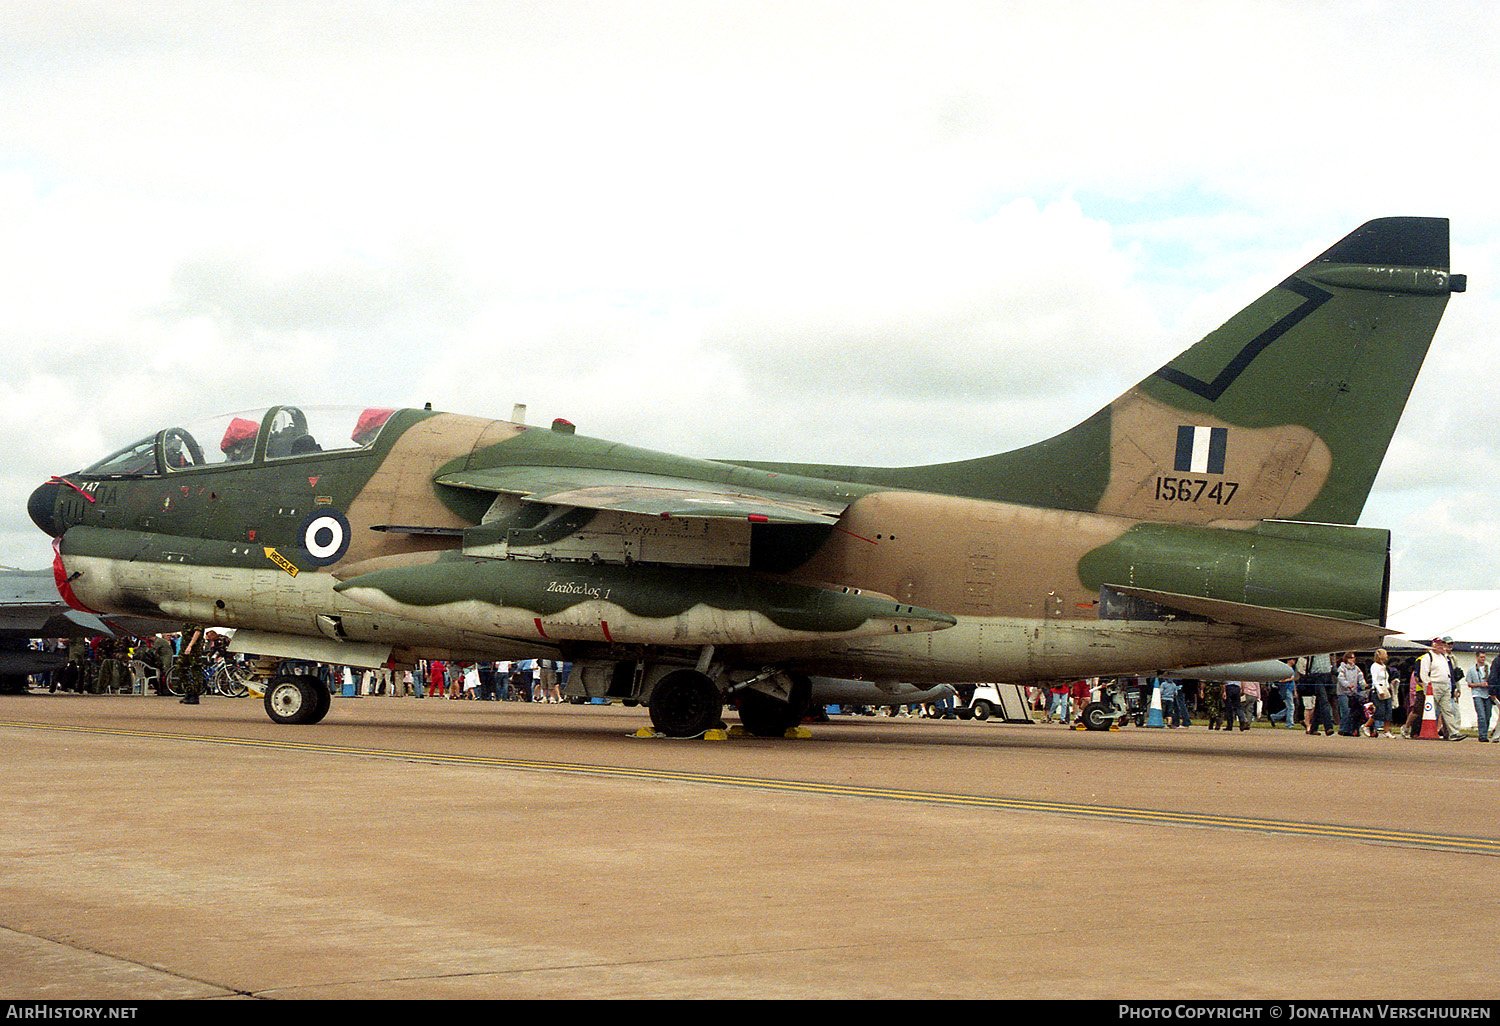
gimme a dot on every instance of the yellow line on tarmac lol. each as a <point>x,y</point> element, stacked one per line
<point>1412,838</point>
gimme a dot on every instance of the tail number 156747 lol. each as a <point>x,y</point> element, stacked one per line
<point>1189,489</point>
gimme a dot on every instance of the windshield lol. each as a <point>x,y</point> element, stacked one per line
<point>139,458</point>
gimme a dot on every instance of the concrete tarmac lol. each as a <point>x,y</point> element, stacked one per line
<point>440,849</point>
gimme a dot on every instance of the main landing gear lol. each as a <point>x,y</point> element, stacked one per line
<point>686,703</point>
<point>768,716</point>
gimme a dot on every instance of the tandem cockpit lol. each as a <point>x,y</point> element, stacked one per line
<point>249,438</point>
<point>278,432</point>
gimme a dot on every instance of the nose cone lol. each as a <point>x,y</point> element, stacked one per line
<point>43,508</point>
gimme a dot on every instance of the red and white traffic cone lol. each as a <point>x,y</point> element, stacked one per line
<point>1429,729</point>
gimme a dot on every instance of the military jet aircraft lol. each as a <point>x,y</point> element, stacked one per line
<point>30,609</point>
<point>1204,517</point>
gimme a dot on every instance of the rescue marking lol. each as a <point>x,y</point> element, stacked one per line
<point>280,560</point>
<point>1159,817</point>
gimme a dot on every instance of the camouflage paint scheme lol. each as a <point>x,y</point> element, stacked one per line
<point>1206,516</point>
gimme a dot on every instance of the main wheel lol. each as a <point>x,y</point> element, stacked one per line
<point>293,698</point>
<point>685,703</point>
<point>765,716</point>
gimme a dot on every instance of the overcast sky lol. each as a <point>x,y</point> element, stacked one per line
<point>845,232</point>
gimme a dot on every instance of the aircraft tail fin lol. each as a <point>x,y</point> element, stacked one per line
<point>1284,412</point>
<point>1287,410</point>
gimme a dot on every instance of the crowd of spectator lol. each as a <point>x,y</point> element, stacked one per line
<point>1351,694</point>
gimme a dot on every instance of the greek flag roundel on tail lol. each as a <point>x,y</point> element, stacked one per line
<point>1200,450</point>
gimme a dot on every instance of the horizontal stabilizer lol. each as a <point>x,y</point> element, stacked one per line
<point>1325,631</point>
<point>645,494</point>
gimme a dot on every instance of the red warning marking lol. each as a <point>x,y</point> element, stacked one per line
<point>538,621</point>
<point>73,486</point>
<point>64,582</point>
<point>605,625</point>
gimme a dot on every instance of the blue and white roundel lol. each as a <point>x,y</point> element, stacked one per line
<point>325,537</point>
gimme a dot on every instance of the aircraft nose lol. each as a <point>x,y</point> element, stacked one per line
<point>43,508</point>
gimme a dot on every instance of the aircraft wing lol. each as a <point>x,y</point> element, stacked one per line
<point>1332,630</point>
<point>647,494</point>
<point>30,607</point>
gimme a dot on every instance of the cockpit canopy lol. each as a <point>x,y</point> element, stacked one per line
<point>279,432</point>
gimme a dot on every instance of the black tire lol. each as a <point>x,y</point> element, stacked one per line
<point>765,716</point>
<point>322,699</point>
<point>982,710</point>
<point>171,682</point>
<point>685,703</point>
<point>1095,716</point>
<point>13,683</point>
<point>293,698</point>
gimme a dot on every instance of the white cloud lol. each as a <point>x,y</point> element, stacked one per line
<point>845,232</point>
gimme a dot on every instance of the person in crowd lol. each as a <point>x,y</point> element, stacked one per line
<point>76,673</point>
<point>1350,687</point>
<point>1233,691</point>
<point>1211,694</point>
<point>521,679</point>
<point>1288,689</point>
<point>1381,692</point>
<point>1436,672</point>
<point>1174,703</point>
<point>437,679</point>
<point>162,653</point>
<point>1059,706</point>
<point>1169,692</point>
<point>190,659</point>
<point>1494,688</point>
<point>1320,678</point>
<point>1250,703</point>
<point>1479,687</point>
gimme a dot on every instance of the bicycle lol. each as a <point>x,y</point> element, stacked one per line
<point>220,677</point>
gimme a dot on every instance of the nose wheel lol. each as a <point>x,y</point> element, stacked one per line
<point>297,698</point>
